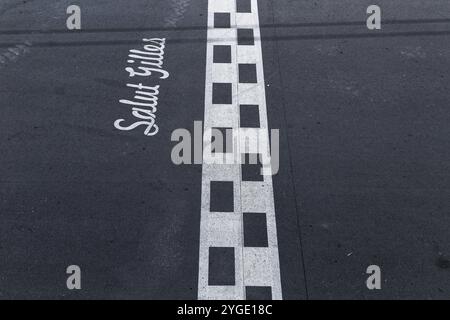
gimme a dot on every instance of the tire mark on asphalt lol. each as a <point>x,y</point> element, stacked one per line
<point>303,37</point>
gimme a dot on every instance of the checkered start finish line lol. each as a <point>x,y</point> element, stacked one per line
<point>238,238</point>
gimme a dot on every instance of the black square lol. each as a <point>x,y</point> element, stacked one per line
<point>247,73</point>
<point>258,293</point>
<point>222,54</point>
<point>252,167</point>
<point>221,140</point>
<point>255,230</point>
<point>245,37</point>
<point>222,20</point>
<point>244,6</point>
<point>222,93</point>
<point>221,267</point>
<point>249,116</point>
<point>222,196</point>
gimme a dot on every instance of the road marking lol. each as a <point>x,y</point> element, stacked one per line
<point>254,266</point>
<point>147,61</point>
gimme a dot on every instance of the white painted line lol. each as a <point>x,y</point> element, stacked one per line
<point>253,266</point>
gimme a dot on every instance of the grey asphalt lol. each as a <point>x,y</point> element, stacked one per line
<point>364,149</point>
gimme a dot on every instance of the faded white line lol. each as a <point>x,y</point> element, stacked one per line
<point>12,54</point>
<point>179,8</point>
<point>259,266</point>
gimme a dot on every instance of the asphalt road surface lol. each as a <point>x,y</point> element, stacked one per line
<point>364,151</point>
